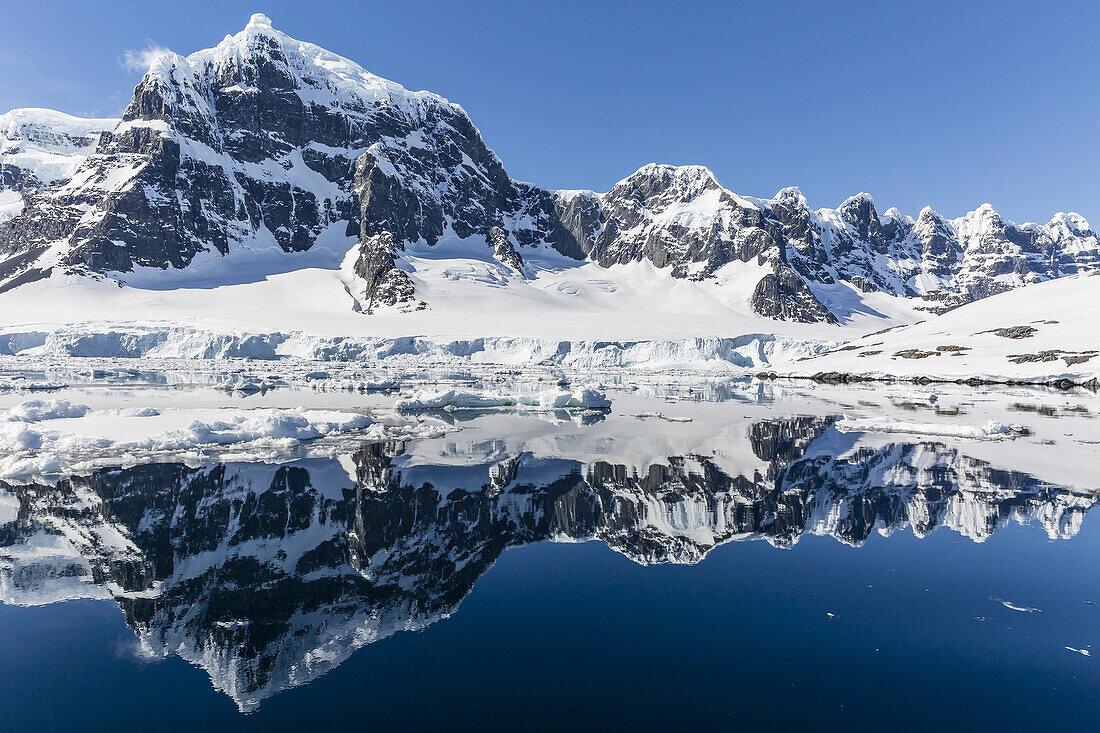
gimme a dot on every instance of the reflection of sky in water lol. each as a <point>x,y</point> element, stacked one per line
<point>959,580</point>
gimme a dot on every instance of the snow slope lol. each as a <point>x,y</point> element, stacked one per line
<point>1041,333</point>
<point>631,314</point>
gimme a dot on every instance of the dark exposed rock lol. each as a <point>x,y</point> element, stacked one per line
<point>503,249</point>
<point>785,296</point>
<point>1048,355</point>
<point>386,284</point>
<point>1015,332</point>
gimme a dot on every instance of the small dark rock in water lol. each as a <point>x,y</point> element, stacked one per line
<point>836,377</point>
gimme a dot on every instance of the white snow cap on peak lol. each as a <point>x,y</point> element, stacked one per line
<point>259,19</point>
<point>1069,217</point>
<point>862,195</point>
<point>790,192</point>
<point>666,169</point>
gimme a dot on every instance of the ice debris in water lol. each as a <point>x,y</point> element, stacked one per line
<point>661,416</point>
<point>991,430</point>
<point>1021,609</point>
<point>38,410</point>
<point>28,385</point>
<point>247,384</point>
<point>27,449</point>
<point>137,412</point>
<point>451,399</point>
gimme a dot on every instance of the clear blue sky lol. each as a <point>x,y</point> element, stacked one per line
<point>943,103</point>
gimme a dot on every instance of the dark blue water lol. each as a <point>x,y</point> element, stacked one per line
<point>574,635</point>
<point>549,593</point>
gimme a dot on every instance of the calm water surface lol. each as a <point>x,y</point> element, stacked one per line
<point>755,571</point>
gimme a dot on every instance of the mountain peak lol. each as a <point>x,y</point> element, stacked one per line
<point>793,195</point>
<point>679,171</point>
<point>858,199</point>
<point>259,20</point>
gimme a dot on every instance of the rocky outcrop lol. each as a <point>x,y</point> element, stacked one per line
<point>504,251</point>
<point>785,296</point>
<point>386,284</point>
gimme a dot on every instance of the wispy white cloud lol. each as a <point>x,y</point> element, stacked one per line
<point>138,61</point>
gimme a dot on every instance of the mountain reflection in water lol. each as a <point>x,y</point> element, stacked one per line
<point>267,576</point>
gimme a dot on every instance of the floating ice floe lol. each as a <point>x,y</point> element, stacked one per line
<point>661,416</point>
<point>991,430</point>
<point>351,385</point>
<point>39,410</point>
<point>451,399</point>
<point>1022,609</point>
<point>246,384</point>
<point>137,412</point>
<point>29,385</point>
<point>28,447</point>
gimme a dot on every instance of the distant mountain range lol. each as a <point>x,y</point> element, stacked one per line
<point>268,145</point>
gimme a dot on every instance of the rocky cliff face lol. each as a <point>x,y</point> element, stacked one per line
<point>266,144</point>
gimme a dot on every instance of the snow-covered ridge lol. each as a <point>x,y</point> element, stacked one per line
<point>48,144</point>
<point>336,81</point>
<point>40,147</point>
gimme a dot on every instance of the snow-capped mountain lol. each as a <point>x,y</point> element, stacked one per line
<point>267,142</point>
<point>237,161</point>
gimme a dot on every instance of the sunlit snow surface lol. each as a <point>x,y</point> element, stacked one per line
<point>1044,332</point>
